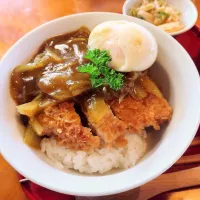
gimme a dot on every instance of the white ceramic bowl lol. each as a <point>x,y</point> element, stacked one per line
<point>187,8</point>
<point>174,71</point>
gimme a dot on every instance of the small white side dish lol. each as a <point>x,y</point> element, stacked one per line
<point>187,8</point>
<point>175,73</point>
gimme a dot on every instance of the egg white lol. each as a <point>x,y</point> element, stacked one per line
<point>131,46</point>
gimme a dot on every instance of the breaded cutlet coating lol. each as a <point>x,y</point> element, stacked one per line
<point>102,121</point>
<point>139,114</point>
<point>109,127</point>
<point>64,123</point>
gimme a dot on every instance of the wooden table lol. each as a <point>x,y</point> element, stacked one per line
<point>20,16</point>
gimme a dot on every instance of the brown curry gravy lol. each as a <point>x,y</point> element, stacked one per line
<point>58,79</point>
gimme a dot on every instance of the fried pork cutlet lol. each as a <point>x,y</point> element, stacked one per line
<point>139,114</point>
<point>64,123</point>
<point>102,121</point>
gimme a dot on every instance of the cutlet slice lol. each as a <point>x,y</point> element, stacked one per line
<point>139,114</point>
<point>101,119</point>
<point>64,123</point>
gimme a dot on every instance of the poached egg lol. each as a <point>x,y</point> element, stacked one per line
<point>131,46</point>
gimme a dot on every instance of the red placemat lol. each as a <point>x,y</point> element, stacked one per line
<point>36,192</point>
<point>191,42</point>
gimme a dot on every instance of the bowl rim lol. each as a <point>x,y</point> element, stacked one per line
<point>124,12</point>
<point>116,189</point>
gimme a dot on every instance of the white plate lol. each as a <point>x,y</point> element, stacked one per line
<point>187,8</point>
<point>174,71</point>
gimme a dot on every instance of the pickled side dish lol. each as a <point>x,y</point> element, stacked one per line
<point>159,13</point>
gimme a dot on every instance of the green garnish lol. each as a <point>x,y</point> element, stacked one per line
<point>100,73</point>
<point>163,14</point>
<point>179,13</point>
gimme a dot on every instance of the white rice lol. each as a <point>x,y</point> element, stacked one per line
<point>97,161</point>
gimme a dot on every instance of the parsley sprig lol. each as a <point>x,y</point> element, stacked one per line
<point>100,73</point>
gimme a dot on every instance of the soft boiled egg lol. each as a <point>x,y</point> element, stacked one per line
<point>131,46</point>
